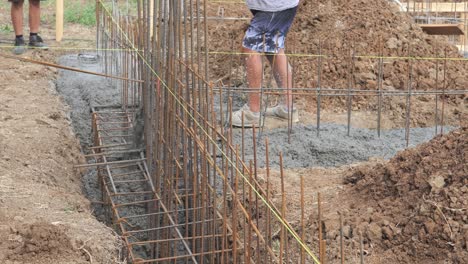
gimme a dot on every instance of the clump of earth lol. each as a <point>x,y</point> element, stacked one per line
<point>416,203</point>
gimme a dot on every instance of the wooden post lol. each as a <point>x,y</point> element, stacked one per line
<point>151,17</point>
<point>59,20</point>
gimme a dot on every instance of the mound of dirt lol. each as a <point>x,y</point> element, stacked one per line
<point>42,242</point>
<point>417,203</point>
<point>349,34</point>
<point>366,27</point>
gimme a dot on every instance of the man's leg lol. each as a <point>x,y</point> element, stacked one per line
<point>34,15</point>
<point>17,20</point>
<point>283,75</point>
<point>249,114</point>
<point>253,66</point>
<point>35,40</point>
<point>17,17</point>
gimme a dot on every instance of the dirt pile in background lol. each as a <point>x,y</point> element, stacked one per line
<point>371,28</point>
<point>415,204</point>
<point>337,28</point>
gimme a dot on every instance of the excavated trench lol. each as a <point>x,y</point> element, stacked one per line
<point>81,92</point>
<point>94,106</point>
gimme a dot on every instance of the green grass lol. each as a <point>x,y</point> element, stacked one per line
<point>80,13</point>
<point>6,28</point>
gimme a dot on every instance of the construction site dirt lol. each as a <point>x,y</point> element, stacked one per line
<point>392,182</point>
<point>314,158</point>
<point>337,44</point>
<point>306,150</point>
<point>420,217</point>
<point>44,217</point>
<point>350,35</point>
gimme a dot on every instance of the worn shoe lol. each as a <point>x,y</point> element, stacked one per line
<point>37,42</point>
<point>281,112</point>
<point>20,46</point>
<point>251,119</point>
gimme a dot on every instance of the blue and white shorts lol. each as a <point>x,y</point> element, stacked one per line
<point>273,25</point>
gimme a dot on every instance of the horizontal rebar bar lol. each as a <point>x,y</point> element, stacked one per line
<point>107,163</point>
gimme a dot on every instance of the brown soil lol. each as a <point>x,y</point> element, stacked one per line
<point>336,28</point>
<point>40,241</point>
<point>410,209</point>
<point>418,201</point>
<point>332,28</point>
<point>44,216</point>
<point>371,28</point>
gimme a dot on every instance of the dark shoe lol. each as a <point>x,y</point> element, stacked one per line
<point>37,42</point>
<point>20,46</point>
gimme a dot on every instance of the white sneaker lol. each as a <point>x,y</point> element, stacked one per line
<point>251,119</point>
<point>281,112</point>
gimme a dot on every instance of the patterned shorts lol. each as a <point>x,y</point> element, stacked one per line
<point>273,25</point>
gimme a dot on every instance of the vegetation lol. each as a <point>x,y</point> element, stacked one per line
<point>80,12</point>
<point>6,28</point>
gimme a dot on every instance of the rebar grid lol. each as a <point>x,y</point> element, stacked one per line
<point>131,196</point>
<point>178,188</point>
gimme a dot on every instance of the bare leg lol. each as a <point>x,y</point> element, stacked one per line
<point>34,15</point>
<point>253,65</point>
<point>17,17</point>
<point>283,74</point>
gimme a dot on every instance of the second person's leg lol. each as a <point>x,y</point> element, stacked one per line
<point>34,15</point>
<point>253,67</point>
<point>249,114</point>
<point>35,40</point>
<point>17,16</point>
<point>17,21</point>
<point>283,75</point>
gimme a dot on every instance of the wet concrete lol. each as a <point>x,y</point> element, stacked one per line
<point>81,92</point>
<point>332,147</point>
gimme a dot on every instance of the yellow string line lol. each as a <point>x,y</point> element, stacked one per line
<point>355,56</point>
<point>310,55</point>
<point>280,219</point>
<point>70,48</point>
